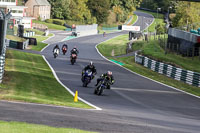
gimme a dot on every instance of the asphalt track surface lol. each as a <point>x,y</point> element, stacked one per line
<point>133,105</point>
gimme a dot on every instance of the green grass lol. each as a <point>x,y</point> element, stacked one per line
<point>153,50</point>
<point>15,38</point>
<point>158,20</point>
<point>50,26</point>
<point>40,45</point>
<point>117,44</point>
<point>21,127</point>
<point>28,78</point>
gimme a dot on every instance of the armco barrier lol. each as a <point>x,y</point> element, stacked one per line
<point>189,77</point>
<point>2,64</point>
<point>29,34</point>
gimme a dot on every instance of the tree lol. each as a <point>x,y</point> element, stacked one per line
<point>124,8</point>
<point>75,10</point>
<point>187,13</point>
<point>60,9</point>
<point>99,9</point>
<point>80,11</point>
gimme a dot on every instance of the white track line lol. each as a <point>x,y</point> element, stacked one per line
<point>72,93</point>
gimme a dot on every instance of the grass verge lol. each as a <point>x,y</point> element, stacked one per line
<point>118,45</point>
<point>29,79</point>
<point>154,50</point>
<point>50,26</point>
<point>21,127</point>
<point>40,45</point>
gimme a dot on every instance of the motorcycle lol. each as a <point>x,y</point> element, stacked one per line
<point>73,58</point>
<point>55,52</point>
<point>87,77</point>
<point>104,34</point>
<point>100,88</point>
<point>64,50</point>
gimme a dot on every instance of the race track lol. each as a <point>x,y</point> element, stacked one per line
<point>133,105</point>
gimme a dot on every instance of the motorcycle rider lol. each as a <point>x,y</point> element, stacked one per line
<point>56,47</point>
<point>106,75</point>
<point>64,48</point>
<point>74,51</point>
<point>90,67</point>
<point>104,34</point>
<point>65,45</point>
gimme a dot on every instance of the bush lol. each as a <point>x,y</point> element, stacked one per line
<point>49,20</point>
<point>58,22</point>
<point>70,22</point>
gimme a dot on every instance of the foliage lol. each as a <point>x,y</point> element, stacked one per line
<point>124,8</point>
<point>160,28</point>
<point>99,9</point>
<point>49,20</point>
<point>186,13</point>
<point>58,22</point>
<point>55,21</point>
<point>154,4</point>
<point>75,10</point>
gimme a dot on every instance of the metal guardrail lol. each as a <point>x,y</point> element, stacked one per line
<point>189,77</point>
<point>29,34</point>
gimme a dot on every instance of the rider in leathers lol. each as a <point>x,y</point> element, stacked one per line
<point>106,75</point>
<point>90,67</point>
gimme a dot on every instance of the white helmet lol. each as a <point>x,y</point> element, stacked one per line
<point>91,63</point>
<point>109,73</point>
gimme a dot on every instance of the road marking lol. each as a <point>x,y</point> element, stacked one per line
<point>72,93</point>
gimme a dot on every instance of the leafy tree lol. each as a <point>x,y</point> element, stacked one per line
<point>186,13</point>
<point>123,8</point>
<point>60,9</point>
<point>99,9</point>
<point>80,11</point>
<point>75,10</point>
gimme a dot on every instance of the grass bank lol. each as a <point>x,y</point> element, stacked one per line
<point>116,46</point>
<point>21,127</point>
<point>50,26</point>
<point>29,79</point>
<point>152,49</point>
<point>40,45</point>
